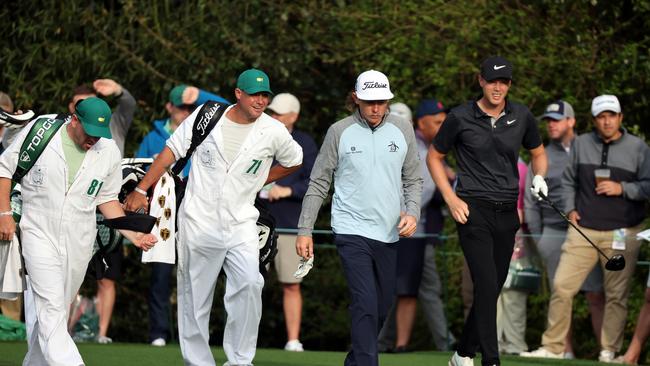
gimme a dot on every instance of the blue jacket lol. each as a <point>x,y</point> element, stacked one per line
<point>205,96</point>
<point>154,142</point>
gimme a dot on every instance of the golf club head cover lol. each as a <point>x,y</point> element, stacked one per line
<point>138,222</point>
<point>11,121</point>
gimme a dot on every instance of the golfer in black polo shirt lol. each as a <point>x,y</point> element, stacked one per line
<point>486,135</point>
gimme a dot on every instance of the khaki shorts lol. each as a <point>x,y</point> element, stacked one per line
<point>287,261</point>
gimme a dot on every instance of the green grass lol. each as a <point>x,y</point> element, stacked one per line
<point>126,354</point>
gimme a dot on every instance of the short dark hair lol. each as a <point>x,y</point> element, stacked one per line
<point>83,89</point>
<point>187,107</point>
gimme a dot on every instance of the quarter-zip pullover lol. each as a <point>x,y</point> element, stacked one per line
<point>628,159</point>
<point>374,169</point>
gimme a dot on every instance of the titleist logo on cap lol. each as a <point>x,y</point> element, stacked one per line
<point>373,85</point>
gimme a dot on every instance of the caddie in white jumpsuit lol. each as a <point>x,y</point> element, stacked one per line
<point>217,219</point>
<point>58,224</point>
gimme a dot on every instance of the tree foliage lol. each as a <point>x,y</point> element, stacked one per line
<point>561,49</point>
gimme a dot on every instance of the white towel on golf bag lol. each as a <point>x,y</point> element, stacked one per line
<point>12,282</point>
<point>163,207</point>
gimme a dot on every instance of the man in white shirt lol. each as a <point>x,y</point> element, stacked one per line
<point>217,218</point>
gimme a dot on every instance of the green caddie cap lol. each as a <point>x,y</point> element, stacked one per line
<point>95,116</point>
<point>254,81</point>
<point>176,95</point>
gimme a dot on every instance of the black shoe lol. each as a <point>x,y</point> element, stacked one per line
<point>401,349</point>
<point>381,349</point>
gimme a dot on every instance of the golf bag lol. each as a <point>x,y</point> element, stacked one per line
<point>268,238</point>
<point>207,117</point>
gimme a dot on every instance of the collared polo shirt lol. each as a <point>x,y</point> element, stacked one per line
<point>487,153</point>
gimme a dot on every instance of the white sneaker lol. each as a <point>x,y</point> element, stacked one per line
<point>606,356</point>
<point>104,340</point>
<point>159,342</point>
<point>293,345</point>
<point>621,360</point>
<point>569,356</point>
<point>542,352</point>
<point>456,360</point>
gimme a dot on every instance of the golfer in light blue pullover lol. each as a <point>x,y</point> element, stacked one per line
<point>373,158</point>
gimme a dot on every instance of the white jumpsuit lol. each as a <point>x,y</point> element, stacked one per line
<point>217,229</point>
<point>57,233</point>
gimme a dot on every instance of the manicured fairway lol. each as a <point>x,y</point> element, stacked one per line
<point>124,354</point>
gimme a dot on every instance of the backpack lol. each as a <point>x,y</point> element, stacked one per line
<point>209,114</point>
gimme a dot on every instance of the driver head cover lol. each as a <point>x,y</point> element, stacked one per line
<point>304,267</point>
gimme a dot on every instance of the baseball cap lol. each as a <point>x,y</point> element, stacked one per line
<point>284,103</point>
<point>558,110</point>
<point>401,110</point>
<point>496,67</point>
<point>254,81</point>
<point>605,102</point>
<point>95,116</point>
<point>373,85</point>
<point>176,95</point>
<point>429,107</point>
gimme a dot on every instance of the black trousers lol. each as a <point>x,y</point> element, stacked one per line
<point>369,267</point>
<point>487,240</point>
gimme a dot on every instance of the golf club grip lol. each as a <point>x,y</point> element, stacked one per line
<point>17,119</point>
<point>545,198</point>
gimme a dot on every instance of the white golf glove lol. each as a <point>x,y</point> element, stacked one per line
<point>304,267</point>
<point>539,185</point>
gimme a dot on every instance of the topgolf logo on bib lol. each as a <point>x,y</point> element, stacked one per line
<point>37,139</point>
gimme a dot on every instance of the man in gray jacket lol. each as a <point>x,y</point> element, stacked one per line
<point>547,227</point>
<point>605,186</point>
<point>373,158</point>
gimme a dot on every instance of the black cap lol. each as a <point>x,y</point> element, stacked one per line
<point>496,67</point>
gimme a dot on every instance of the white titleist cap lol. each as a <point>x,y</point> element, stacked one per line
<point>401,110</point>
<point>604,103</point>
<point>373,85</point>
<point>284,103</point>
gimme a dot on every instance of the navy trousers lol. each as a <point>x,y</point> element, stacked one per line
<point>487,240</point>
<point>159,293</point>
<point>369,266</point>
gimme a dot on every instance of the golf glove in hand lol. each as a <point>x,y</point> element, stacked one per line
<point>539,185</point>
<point>304,267</point>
